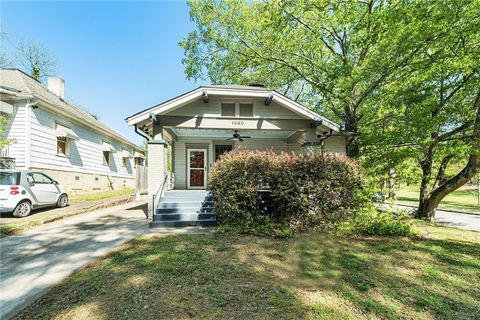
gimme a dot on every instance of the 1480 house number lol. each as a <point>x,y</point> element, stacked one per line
<point>237,123</point>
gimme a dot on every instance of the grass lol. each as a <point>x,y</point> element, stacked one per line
<point>435,275</point>
<point>100,195</point>
<point>463,199</point>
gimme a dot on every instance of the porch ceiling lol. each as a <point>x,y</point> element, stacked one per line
<point>217,133</point>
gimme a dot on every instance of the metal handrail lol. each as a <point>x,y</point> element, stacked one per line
<point>159,191</point>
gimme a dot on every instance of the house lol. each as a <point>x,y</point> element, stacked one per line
<point>200,125</point>
<point>50,134</point>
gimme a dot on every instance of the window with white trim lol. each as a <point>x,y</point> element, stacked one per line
<point>245,109</point>
<point>63,148</point>
<point>106,158</point>
<point>228,110</point>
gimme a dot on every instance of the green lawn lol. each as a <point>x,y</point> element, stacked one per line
<point>435,275</point>
<point>100,195</point>
<point>464,198</point>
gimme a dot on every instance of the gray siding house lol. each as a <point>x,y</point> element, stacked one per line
<point>200,125</point>
<point>50,134</point>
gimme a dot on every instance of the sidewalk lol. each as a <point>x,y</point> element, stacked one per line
<point>408,205</point>
<point>10,225</point>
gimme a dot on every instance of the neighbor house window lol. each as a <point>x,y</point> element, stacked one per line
<point>62,146</point>
<point>64,135</point>
<point>228,110</point>
<point>246,110</point>
<point>125,162</point>
<point>138,162</point>
<point>106,158</point>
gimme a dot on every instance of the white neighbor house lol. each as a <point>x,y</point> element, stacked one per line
<point>54,136</point>
<point>202,124</point>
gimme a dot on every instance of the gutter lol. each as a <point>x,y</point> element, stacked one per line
<point>140,133</point>
<point>28,129</point>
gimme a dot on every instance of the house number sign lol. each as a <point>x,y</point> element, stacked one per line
<point>238,123</point>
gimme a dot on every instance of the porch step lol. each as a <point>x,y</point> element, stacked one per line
<point>179,208</point>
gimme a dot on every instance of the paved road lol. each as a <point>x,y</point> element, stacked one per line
<point>34,261</point>
<point>455,219</point>
<point>460,220</point>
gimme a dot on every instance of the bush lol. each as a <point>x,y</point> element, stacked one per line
<point>254,189</point>
<point>369,221</point>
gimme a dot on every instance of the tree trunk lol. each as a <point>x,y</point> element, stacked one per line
<point>351,126</point>
<point>424,206</point>
<point>429,202</point>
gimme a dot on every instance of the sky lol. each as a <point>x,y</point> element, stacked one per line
<point>116,58</point>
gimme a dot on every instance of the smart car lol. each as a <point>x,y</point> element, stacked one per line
<point>21,191</point>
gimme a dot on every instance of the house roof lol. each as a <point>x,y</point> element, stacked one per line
<point>22,85</point>
<point>229,90</point>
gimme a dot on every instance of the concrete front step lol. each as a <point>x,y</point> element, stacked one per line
<point>184,210</point>
<point>184,204</point>
<point>182,223</point>
<point>185,217</point>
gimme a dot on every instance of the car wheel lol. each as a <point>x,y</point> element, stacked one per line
<point>62,201</point>
<point>23,209</point>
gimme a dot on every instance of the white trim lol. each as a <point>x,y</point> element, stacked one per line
<point>28,130</point>
<point>204,168</point>
<point>227,92</point>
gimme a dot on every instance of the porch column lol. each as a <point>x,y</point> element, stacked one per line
<point>311,140</point>
<point>156,164</point>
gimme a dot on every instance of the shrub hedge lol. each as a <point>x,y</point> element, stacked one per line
<point>258,189</point>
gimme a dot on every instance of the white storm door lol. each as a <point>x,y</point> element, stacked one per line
<point>196,168</point>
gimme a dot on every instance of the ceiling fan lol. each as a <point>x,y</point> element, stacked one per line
<point>238,137</point>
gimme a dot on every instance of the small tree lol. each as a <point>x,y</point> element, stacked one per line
<point>36,58</point>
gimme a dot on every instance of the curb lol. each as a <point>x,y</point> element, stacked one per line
<point>441,209</point>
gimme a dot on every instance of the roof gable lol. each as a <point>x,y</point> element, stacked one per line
<point>225,92</point>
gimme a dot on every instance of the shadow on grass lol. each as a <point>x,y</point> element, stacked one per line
<point>315,275</point>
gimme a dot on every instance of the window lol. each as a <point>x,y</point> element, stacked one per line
<point>125,162</point>
<point>221,149</point>
<point>39,178</point>
<point>246,110</point>
<point>106,158</point>
<point>228,110</point>
<point>62,146</point>
<point>138,162</point>
<point>9,178</point>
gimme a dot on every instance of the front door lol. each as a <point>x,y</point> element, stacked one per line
<point>197,168</point>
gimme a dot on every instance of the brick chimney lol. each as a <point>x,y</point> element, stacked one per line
<point>57,86</point>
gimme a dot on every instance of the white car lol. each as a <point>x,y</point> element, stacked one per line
<point>21,191</point>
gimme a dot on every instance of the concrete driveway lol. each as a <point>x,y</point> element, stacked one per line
<point>34,261</point>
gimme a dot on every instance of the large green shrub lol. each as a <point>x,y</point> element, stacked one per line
<point>302,192</point>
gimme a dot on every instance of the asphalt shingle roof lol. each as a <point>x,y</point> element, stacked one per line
<point>18,80</point>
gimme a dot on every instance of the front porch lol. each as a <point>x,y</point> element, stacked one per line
<point>188,133</point>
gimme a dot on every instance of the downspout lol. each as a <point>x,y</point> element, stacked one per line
<point>28,133</point>
<point>140,133</point>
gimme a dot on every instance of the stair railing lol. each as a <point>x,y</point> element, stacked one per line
<point>156,197</point>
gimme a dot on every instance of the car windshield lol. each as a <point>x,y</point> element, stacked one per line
<point>9,178</point>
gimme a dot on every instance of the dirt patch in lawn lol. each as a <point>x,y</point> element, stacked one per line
<point>433,276</point>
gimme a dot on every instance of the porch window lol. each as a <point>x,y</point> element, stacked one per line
<point>228,110</point>
<point>246,110</point>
